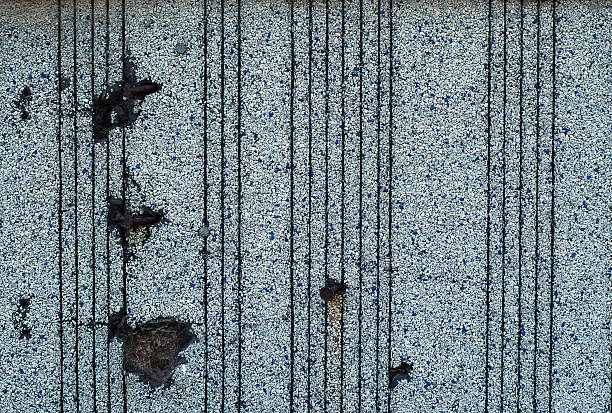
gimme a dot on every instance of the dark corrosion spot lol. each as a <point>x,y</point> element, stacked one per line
<point>401,372</point>
<point>20,318</point>
<point>152,350</point>
<point>25,97</point>
<point>116,213</point>
<point>119,104</point>
<point>26,92</point>
<point>26,333</point>
<point>24,303</point>
<point>331,290</point>
<point>119,216</point>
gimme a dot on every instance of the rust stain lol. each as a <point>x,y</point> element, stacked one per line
<point>336,308</point>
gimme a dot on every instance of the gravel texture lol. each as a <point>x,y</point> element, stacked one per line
<point>456,202</point>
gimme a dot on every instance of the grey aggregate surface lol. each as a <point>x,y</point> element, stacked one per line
<point>449,161</point>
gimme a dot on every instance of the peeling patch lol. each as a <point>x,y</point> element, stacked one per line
<point>401,372</point>
<point>152,350</point>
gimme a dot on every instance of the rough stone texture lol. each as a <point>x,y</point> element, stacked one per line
<point>463,198</point>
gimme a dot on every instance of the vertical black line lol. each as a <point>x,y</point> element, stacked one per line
<point>124,242</point>
<point>378,199</point>
<point>206,223</point>
<point>342,201</point>
<point>503,268</point>
<point>76,203</point>
<point>291,207</point>
<point>537,216</point>
<point>310,179</point>
<point>222,196</point>
<point>239,207</point>
<point>107,196</point>
<point>390,205</point>
<point>93,218</point>
<point>488,286</point>
<point>520,223</point>
<point>60,202</point>
<point>326,255</point>
<point>552,205</point>
<point>360,257</point>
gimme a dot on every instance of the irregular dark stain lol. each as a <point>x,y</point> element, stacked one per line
<point>25,97</point>
<point>25,333</point>
<point>152,350</point>
<point>19,319</point>
<point>65,83</point>
<point>401,372</point>
<point>331,289</point>
<point>119,217</point>
<point>119,104</point>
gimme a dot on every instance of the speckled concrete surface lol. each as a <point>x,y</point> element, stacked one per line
<point>463,198</point>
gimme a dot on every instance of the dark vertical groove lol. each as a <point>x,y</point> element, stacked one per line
<point>503,214</point>
<point>76,203</point>
<point>291,207</point>
<point>552,205</point>
<point>206,223</point>
<point>222,196</point>
<point>107,196</point>
<point>537,216</point>
<point>360,258</point>
<point>390,205</point>
<point>107,41</point>
<point>342,201</point>
<point>124,244</point>
<point>520,226</point>
<point>239,209</point>
<point>93,219</point>
<point>488,291</point>
<point>60,222</point>
<point>310,178</point>
<point>378,185</point>
<point>326,255</point>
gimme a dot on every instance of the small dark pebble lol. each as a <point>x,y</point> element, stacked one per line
<point>204,231</point>
<point>180,48</point>
<point>401,372</point>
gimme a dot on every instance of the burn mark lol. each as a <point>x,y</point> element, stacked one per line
<point>119,104</point>
<point>401,372</point>
<point>152,350</point>
<point>331,290</point>
<point>119,217</point>
<point>140,90</point>
<point>19,319</point>
<point>23,103</point>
